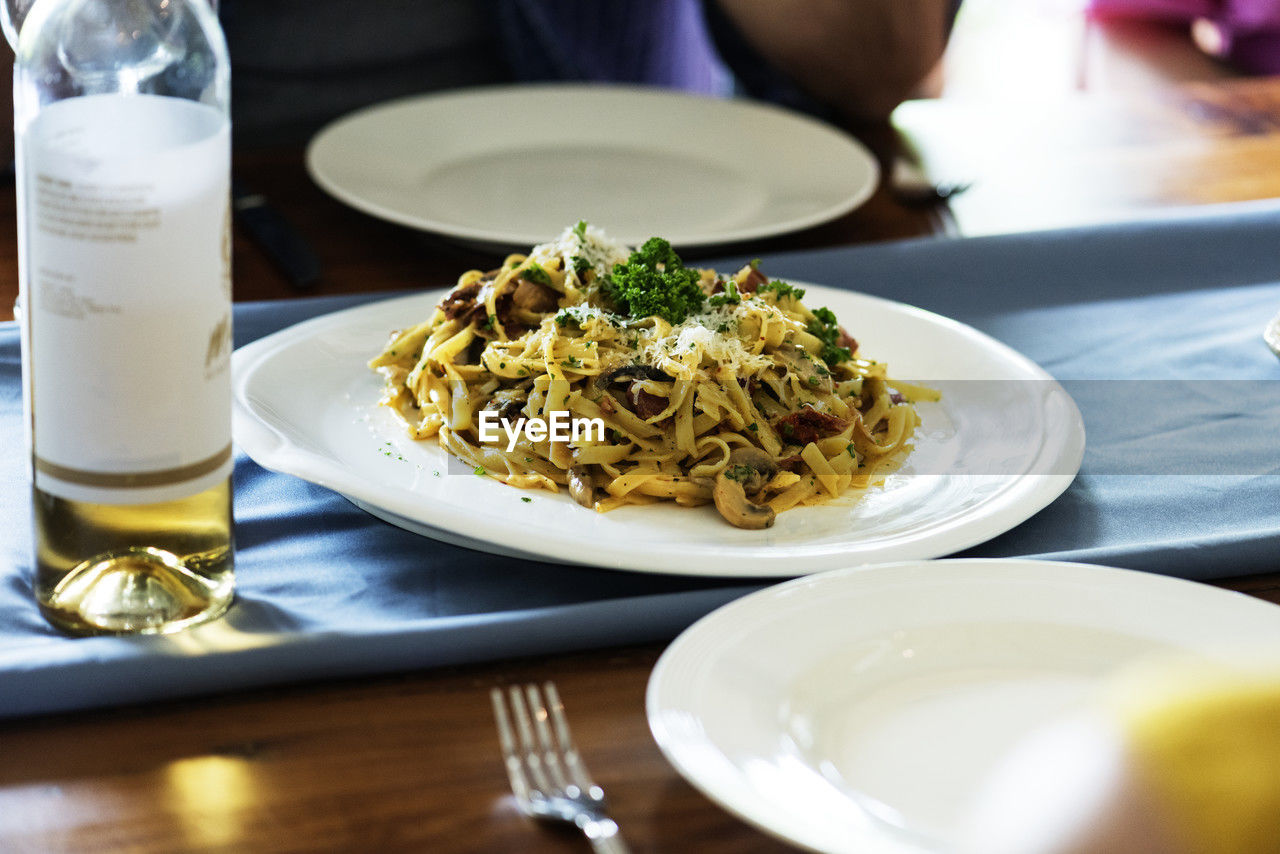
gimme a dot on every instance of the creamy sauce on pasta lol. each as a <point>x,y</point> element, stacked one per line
<point>749,374</point>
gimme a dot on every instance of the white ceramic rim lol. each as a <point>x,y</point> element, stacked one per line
<point>853,173</point>
<point>267,437</point>
<point>685,738</point>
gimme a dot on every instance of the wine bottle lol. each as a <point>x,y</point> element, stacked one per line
<point>123,155</point>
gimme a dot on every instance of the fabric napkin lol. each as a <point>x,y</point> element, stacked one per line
<point>1155,329</point>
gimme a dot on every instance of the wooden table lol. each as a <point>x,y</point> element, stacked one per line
<point>410,763</point>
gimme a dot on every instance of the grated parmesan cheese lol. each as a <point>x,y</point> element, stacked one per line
<point>713,335</point>
<point>590,243</point>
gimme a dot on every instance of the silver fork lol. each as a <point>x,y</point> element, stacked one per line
<point>547,774</point>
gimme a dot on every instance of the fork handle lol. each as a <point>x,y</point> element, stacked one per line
<point>602,833</point>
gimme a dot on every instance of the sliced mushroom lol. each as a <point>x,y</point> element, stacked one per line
<point>582,486</point>
<point>630,373</point>
<point>812,375</point>
<point>747,471</point>
<point>534,297</point>
<point>508,403</point>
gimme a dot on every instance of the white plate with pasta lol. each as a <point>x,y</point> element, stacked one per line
<point>510,165</point>
<point>744,432</point>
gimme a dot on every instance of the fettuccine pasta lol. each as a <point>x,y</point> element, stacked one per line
<point>702,388</point>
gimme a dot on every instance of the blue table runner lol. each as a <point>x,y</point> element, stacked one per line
<point>1155,328</point>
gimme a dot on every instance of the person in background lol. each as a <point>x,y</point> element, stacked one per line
<point>297,64</point>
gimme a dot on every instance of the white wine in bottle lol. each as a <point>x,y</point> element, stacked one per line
<point>123,143</point>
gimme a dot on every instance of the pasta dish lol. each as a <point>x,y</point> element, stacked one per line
<point>701,388</point>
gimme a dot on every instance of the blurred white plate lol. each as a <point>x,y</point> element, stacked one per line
<point>1005,440</point>
<point>512,165</point>
<point>855,711</point>
<point>1272,334</point>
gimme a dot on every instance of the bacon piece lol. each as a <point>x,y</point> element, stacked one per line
<point>461,301</point>
<point>645,404</point>
<point>752,282</point>
<point>847,341</point>
<point>808,425</point>
<point>502,307</point>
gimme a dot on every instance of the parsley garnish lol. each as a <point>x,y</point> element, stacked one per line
<point>526,499</point>
<point>654,282</point>
<point>782,289</point>
<point>533,272</point>
<point>577,317</point>
<point>480,472</point>
<point>572,362</point>
<point>825,328</point>
<point>730,295</point>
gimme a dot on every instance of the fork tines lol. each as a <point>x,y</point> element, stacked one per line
<point>540,756</point>
<point>547,775</point>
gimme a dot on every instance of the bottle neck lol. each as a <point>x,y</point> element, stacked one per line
<point>70,48</point>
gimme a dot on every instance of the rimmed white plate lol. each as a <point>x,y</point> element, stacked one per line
<point>855,711</point>
<point>1272,335</point>
<point>511,165</point>
<point>1005,440</point>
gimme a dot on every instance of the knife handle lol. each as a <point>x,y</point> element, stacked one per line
<point>279,240</point>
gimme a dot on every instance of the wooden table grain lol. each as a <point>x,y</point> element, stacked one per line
<point>406,763</point>
<point>410,762</point>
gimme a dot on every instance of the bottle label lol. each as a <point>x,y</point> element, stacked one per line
<point>127,206</point>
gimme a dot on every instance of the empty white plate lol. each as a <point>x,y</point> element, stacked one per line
<point>511,165</point>
<point>856,710</point>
